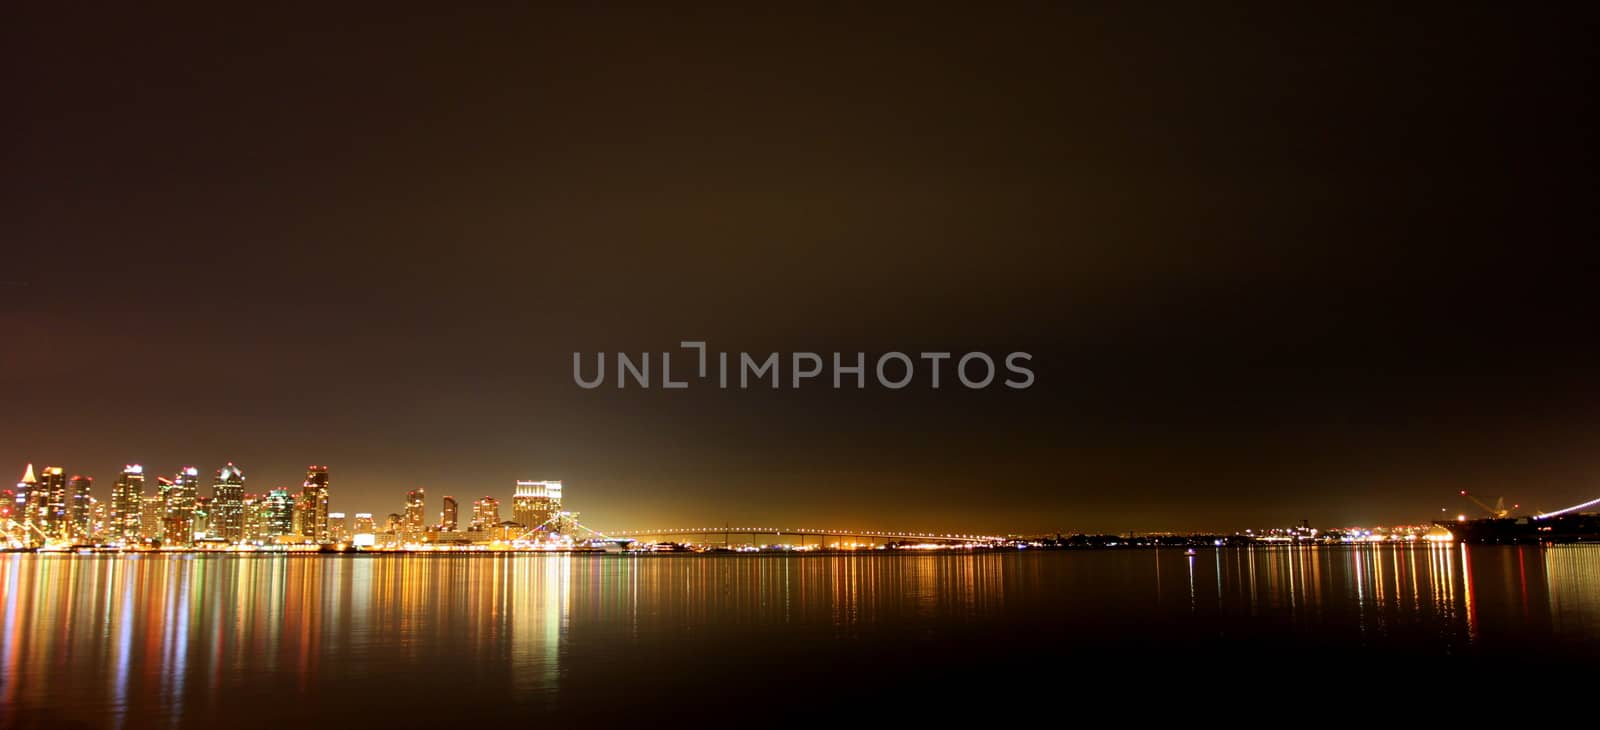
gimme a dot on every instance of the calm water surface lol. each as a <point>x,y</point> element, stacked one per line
<point>517,640</point>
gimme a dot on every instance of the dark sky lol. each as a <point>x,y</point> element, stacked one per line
<point>1271,263</point>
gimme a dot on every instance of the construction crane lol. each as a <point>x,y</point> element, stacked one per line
<point>1497,511</point>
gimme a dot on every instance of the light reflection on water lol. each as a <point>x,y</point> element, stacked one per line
<point>258,640</point>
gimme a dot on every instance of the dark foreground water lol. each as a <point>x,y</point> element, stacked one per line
<point>235,641</point>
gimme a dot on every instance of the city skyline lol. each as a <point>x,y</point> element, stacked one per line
<point>533,502</point>
<point>46,506</point>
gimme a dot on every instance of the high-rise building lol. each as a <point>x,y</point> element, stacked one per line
<point>280,514</point>
<point>485,513</point>
<point>180,495</point>
<point>447,518</point>
<point>53,490</point>
<point>153,515</point>
<point>534,503</point>
<point>394,524</point>
<point>315,495</point>
<point>127,506</point>
<point>227,497</point>
<point>252,525</point>
<point>79,500</point>
<point>364,525</point>
<point>28,510</point>
<point>338,528</point>
<point>413,527</point>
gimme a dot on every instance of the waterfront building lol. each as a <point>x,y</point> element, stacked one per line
<point>79,529</point>
<point>26,510</point>
<point>413,526</point>
<point>338,528</point>
<point>364,524</point>
<point>53,508</point>
<point>227,496</point>
<point>315,494</point>
<point>252,522</point>
<point>508,531</point>
<point>180,495</point>
<point>279,512</point>
<point>127,505</point>
<point>536,502</point>
<point>152,516</point>
<point>485,513</point>
<point>448,518</point>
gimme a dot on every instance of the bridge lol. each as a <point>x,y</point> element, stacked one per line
<point>804,533</point>
<point>567,523</point>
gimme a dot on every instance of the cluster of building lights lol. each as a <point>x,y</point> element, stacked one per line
<point>48,510</point>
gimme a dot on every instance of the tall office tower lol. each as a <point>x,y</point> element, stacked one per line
<point>394,524</point>
<point>279,513</point>
<point>152,516</point>
<point>227,500</point>
<point>54,491</point>
<point>447,518</point>
<point>338,528</point>
<point>485,513</point>
<point>251,524</point>
<point>364,525</point>
<point>127,497</point>
<point>534,503</point>
<point>315,494</point>
<point>180,494</point>
<point>28,509</point>
<point>413,526</point>
<point>302,523</point>
<point>79,501</point>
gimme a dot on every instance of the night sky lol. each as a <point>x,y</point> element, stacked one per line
<point>1271,264</point>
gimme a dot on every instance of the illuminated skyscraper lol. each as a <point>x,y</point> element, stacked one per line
<point>364,525</point>
<point>448,519</point>
<point>127,507</point>
<point>534,503</point>
<point>180,495</point>
<point>79,501</point>
<point>415,501</point>
<point>53,490</point>
<point>279,513</point>
<point>29,509</point>
<point>394,524</point>
<point>252,525</point>
<point>227,493</point>
<point>314,493</point>
<point>152,515</point>
<point>338,528</point>
<point>485,513</point>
